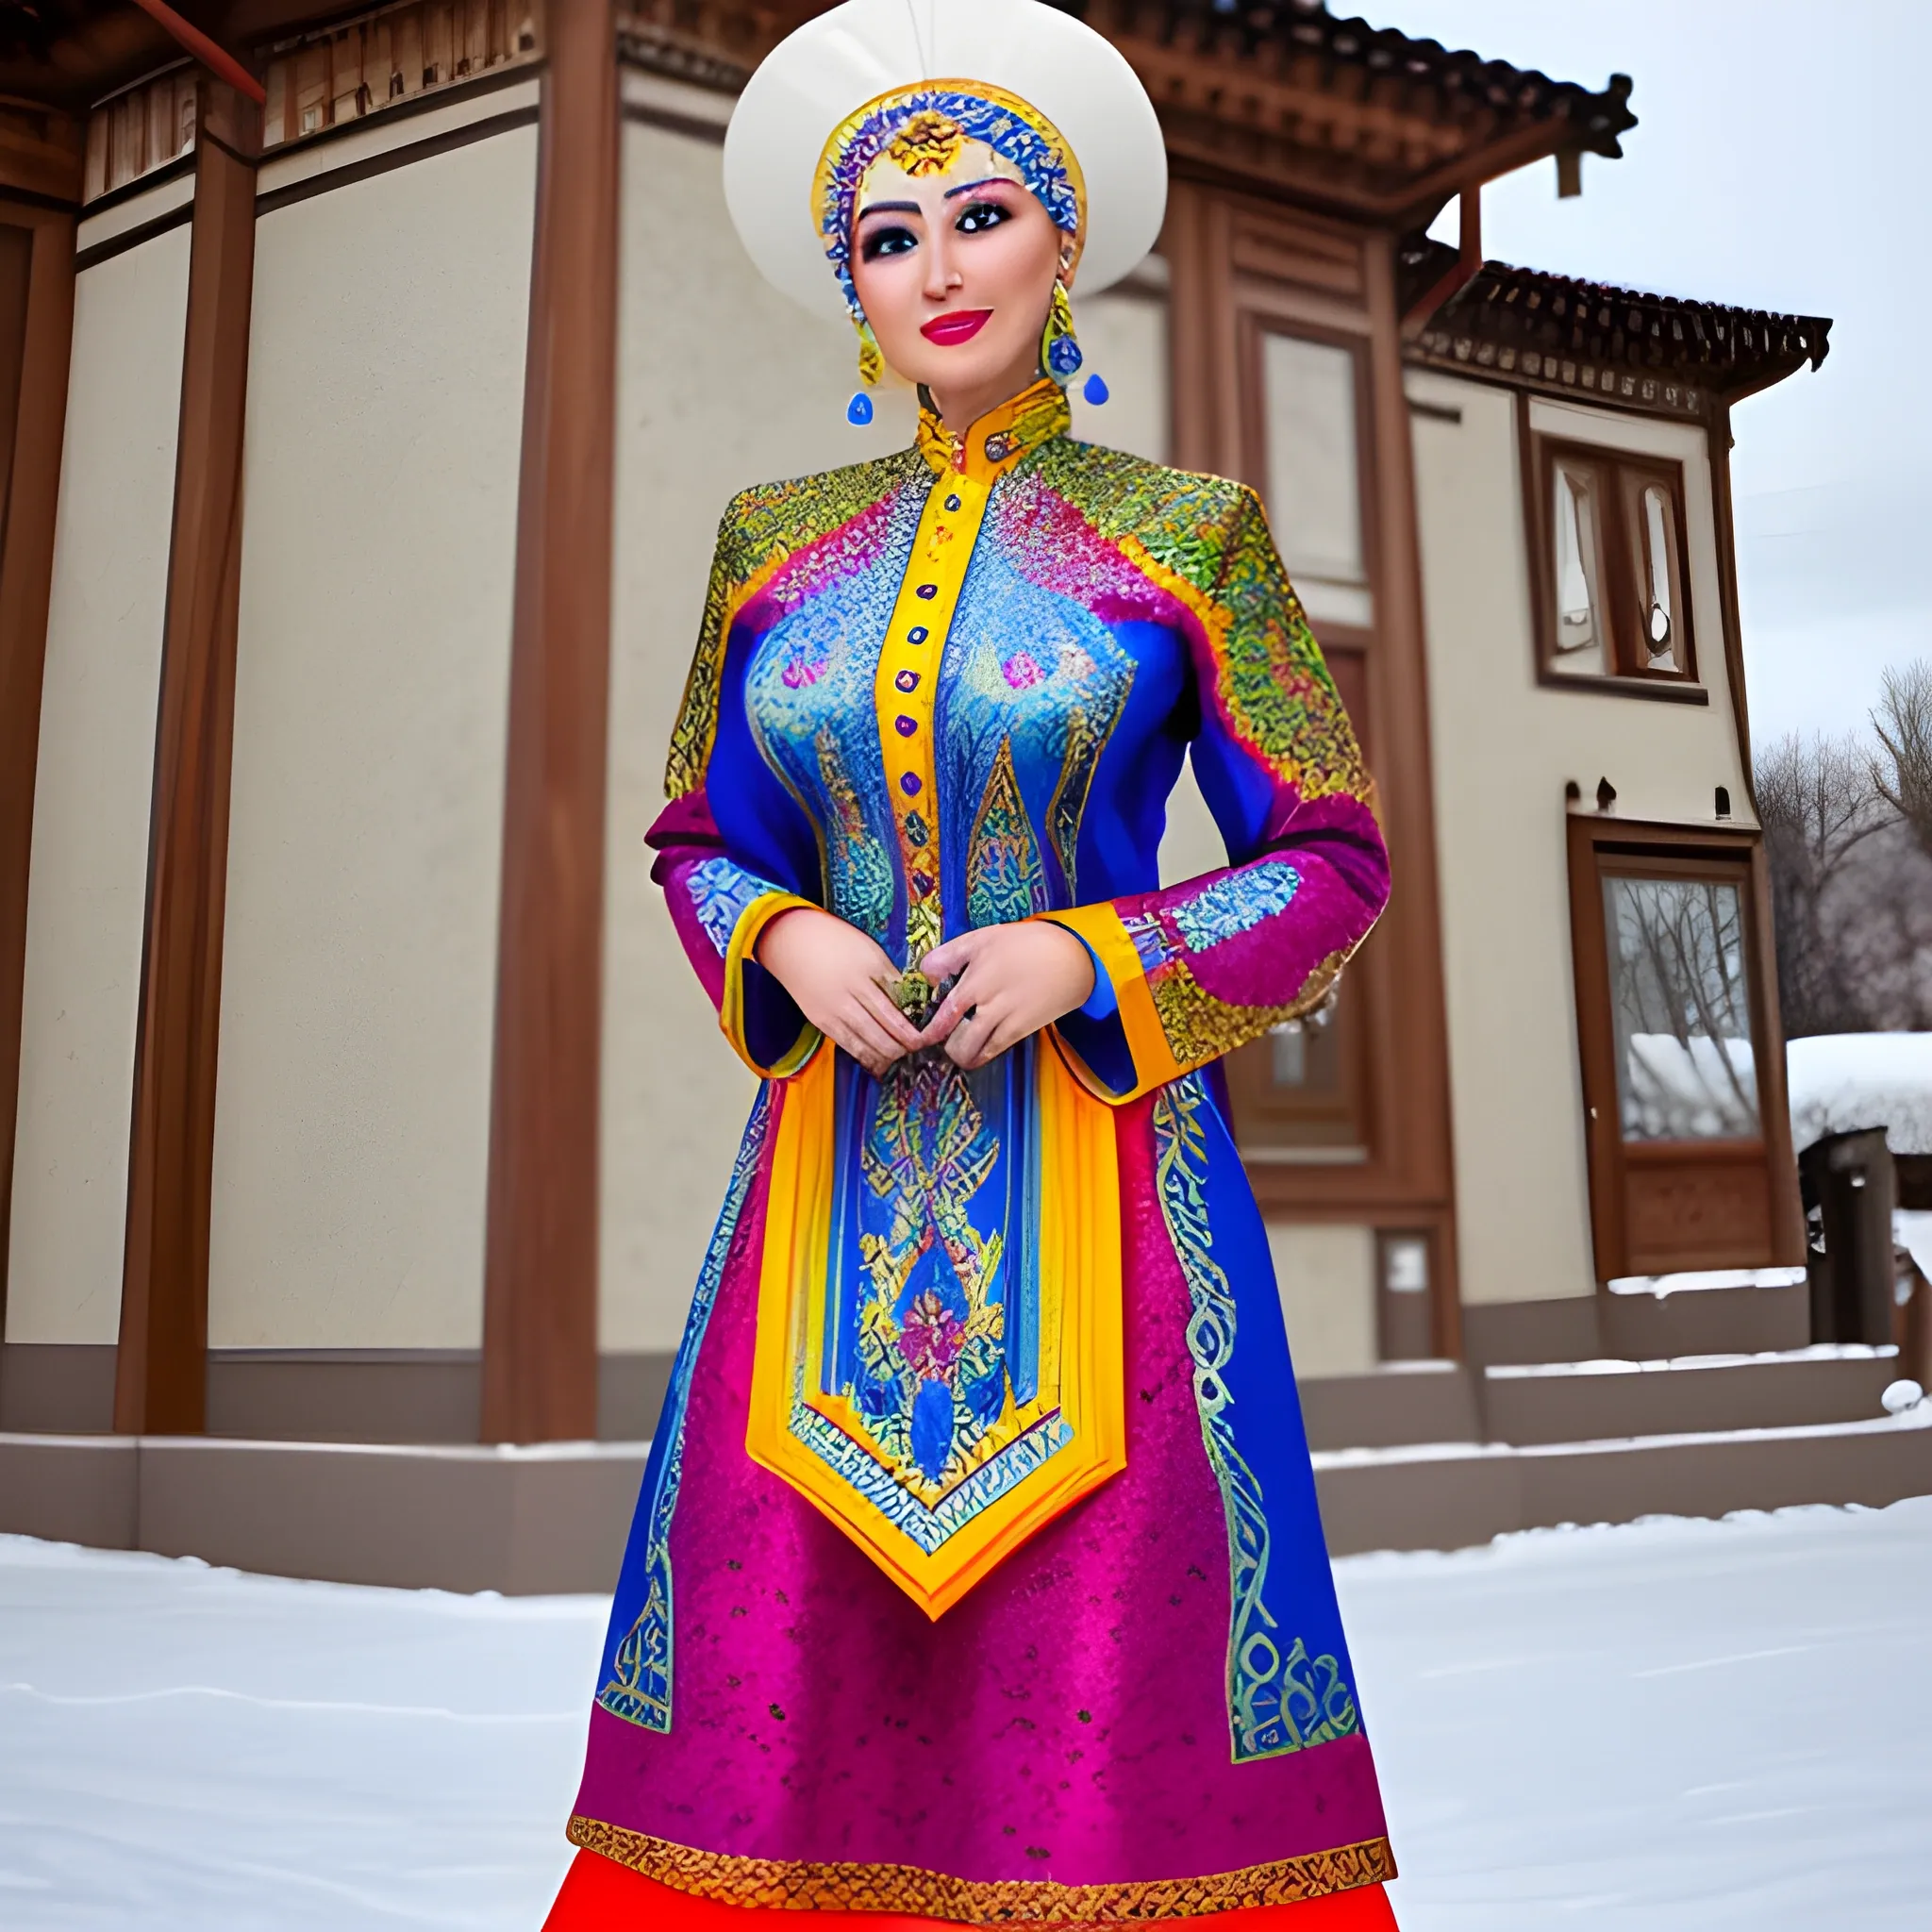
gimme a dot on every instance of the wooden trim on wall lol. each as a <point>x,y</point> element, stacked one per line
<point>32,498</point>
<point>404,155</point>
<point>1201,328</point>
<point>160,1379</point>
<point>98,252</point>
<point>1237,267</point>
<point>540,1304</point>
<point>1719,441</point>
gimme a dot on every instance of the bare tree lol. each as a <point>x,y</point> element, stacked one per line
<point>1902,777</point>
<point>1818,802</point>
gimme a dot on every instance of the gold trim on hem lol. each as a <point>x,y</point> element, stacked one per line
<point>799,1886</point>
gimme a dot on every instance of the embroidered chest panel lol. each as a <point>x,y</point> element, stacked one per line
<point>939,709</point>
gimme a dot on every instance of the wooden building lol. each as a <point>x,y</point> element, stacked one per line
<point>364,445</point>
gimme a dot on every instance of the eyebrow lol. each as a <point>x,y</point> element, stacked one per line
<point>984,182</point>
<point>889,208</point>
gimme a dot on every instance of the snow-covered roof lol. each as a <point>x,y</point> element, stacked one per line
<point>1841,1081</point>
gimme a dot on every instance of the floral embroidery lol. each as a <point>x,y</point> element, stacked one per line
<point>1278,1701</point>
<point>929,1371</point>
<point>640,1682</point>
<point>1004,876</point>
<point>1205,541</point>
<point>1077,579</point>
<point>720,891</point>
<point>784,542</point>
<point>1199,1028</point>
<point>1236,903</point>
<point>777,1884</point>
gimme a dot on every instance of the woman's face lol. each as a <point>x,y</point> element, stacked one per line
<point>955,272</point>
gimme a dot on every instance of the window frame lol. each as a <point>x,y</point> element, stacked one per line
<point>1256,325</point>
<point>1624,473</point>
<point>1278,1128</point>
<point>1666,1207</point>
<point>1333,1125</point>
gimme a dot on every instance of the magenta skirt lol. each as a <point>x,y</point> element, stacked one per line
<point>1054,1749</point>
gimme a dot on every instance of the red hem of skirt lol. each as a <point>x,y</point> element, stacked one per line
<point>600,1896</point>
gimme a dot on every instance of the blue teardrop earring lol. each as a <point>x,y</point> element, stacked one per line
<point>872,365</point>
<point>1060,353</point>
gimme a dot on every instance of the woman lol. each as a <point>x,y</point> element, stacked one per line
<point>977,1575</point>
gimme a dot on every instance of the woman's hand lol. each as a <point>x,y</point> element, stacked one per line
<point>1012,980</point>
<point>838,977</point>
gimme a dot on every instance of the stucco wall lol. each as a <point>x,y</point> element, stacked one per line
<point>384,428</point>
<point>1325,1272</point>
<point>722,383</point>
<point>1503,747</point>
<point>87,888</point>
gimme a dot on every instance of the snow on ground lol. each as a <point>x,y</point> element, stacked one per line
<point>1840,1081</point>
<point>190,1750</point>
<point>1676,1727</point>
<point>1668,1727</point>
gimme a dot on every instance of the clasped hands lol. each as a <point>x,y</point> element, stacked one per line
<point>1008,981</point>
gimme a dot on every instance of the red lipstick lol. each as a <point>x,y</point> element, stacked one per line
<point>960,326</point>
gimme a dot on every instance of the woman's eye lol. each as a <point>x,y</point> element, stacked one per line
<point>981,215</point>
<point>883,241</point>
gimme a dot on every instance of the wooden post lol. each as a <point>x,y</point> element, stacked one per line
<point>540,1319</point>
<point>36,418</point>
<point>159,1385</point>
<point>1413,1102</point>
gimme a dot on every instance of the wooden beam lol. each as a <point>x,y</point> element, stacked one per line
<point>1720,440</point>
<point>210,53</point>
<point>36,330</point>
<point>41,151</point>
<point>1412,1109</point>
<point>161,1369</point>
<point>539,1320</point>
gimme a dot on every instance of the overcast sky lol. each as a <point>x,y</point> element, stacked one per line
<point>1777,163</point>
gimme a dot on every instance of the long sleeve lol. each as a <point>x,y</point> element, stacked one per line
<point>1201,968</point>
<point>720,906</point>
<point>720,894</point>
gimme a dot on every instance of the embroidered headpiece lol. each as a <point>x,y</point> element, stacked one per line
<point>920,130</point>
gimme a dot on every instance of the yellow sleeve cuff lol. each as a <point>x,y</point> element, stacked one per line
<point>1155,1065</point>
<point>731,1014</point>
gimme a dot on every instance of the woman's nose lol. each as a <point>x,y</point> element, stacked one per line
<point>942,273</point>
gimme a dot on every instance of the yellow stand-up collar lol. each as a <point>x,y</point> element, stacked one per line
<point>1000,438</point>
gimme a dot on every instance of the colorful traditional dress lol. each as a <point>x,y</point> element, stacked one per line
<point>977,1571</point>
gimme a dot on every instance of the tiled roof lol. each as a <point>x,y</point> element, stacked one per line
<point>1337,114</point>
<point>1652,351</point>
<point>1418,75</point>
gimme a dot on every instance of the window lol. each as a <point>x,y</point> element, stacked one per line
<point>1300,1092</point>
<point>1297,1090</point>
<point>1608,536</point>
<point>1680,1005</point>
<point>1683,1082</point>
<point>1314,483</point>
